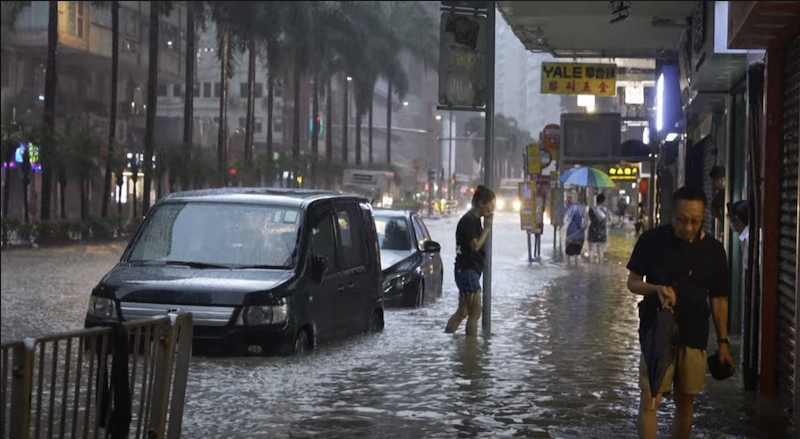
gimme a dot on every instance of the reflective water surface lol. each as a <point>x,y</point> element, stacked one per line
<point>561,361</point>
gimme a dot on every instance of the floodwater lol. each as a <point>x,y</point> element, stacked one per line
<point>561,360</point>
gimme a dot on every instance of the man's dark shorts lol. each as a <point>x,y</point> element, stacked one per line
<point>468,281</point>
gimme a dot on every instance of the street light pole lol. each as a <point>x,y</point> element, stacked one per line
<point>488,160</point>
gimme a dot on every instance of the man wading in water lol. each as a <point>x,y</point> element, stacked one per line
<point>470,254</point>
<point>683,268</point>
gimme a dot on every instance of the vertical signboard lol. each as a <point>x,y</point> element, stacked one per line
<point>462,60</point>
<point>527,210</point>
<point>533,156</point>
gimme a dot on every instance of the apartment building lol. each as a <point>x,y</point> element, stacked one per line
<point>207,90</point>
<point>84,70</point>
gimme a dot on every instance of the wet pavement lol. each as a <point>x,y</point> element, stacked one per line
<point>561,361</point>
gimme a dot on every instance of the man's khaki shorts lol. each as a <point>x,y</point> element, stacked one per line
<point>687,372</point>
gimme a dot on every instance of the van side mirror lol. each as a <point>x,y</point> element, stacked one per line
<point>319,264</point>
<point>431,247</point>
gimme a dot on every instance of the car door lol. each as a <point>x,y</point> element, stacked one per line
<point>356,281</point>
<point>431,262</point>
<point>324,297</point>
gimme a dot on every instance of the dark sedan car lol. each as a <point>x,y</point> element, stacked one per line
<point>412,266</point>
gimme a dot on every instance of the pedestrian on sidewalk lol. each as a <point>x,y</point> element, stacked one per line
<point>576,229</point>
<point>598,230</point>
<point>471,236</point>
<point>687,269</point>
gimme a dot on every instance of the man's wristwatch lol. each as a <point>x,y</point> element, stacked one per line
<point>725,340</point>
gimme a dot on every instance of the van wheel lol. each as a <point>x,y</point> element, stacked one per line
<point>420,300</point>
<point>376,323</point>
<point>302,345</point>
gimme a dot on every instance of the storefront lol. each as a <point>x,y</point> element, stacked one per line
<point>788,222</point>
<point>775,26</point>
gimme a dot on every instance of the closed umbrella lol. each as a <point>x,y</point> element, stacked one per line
<point>658,347</point>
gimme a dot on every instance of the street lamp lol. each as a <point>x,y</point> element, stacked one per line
<point>438,117</point>
<point>349,78</point>
<point>405,103</point>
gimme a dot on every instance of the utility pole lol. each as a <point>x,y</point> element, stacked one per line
<point>488,160</point>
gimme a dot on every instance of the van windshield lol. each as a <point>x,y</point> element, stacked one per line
<point>207,234</point>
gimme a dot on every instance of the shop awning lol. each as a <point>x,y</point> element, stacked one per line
<point>584,29</point>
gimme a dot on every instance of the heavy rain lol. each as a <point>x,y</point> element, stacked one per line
<point>245,153</point>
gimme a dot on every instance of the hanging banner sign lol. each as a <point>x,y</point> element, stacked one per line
<point>579,79</point>
<point>462,61</point>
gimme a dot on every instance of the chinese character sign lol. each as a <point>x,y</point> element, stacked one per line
<point>618,173</point>
<point>462,59</point>
<point>534,157</point>
<point>579,79</point>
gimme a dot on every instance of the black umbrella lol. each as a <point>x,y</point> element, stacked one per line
<point>658,347</point>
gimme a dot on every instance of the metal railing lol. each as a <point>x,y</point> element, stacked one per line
<point>120,381</point>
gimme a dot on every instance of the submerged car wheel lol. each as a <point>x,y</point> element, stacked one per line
<point>420,301</point>
<point>302,345</point>
<point>376,321</point>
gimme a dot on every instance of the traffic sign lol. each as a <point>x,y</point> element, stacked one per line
<point>546,158</point>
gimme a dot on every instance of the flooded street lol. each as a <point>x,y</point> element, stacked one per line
<point>561,362</point>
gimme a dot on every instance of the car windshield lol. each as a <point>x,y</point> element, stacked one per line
<point>393,232</point>
<point>218,235</point>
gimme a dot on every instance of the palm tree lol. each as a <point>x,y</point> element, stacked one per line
<point>112,119</point>
<point>417,32</point>
<point>298,32</point>
<point>195,12</point>
<point>373,53</point>
<point>221,14</point>
<point>157,9</point>
<point>247,32</point>
<point>80,150</point>
<point>331,30</point>
<point>9,13</point>
<point>49,119</point>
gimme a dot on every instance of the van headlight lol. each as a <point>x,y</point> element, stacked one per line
<point>517,205</point>
<point>396,281</point>
<point>102,308</point>
<point>263,315</point>
<point>500,204</point>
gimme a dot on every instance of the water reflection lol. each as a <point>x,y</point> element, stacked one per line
<point>562,362</point>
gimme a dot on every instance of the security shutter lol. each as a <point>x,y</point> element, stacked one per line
<point>709,160</point>
<point>787,251</point>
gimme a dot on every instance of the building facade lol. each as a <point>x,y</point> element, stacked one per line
<point>84,76</point>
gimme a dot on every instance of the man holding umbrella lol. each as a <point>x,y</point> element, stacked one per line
<point>679,270</point>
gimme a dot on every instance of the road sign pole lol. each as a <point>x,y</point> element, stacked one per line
<point>488,160</point>
<point>530,247</point>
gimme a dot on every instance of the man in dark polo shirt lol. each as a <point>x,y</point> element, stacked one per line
<point>679,265</point>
